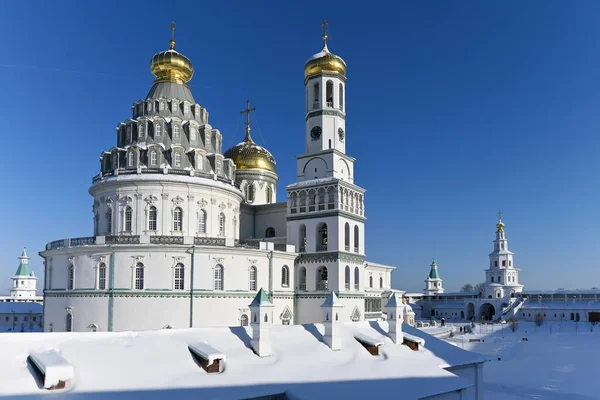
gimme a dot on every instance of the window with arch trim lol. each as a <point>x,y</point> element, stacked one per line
<point>316,95</point>
<point>329,93</point>
<point>179,277</point>
<point>177,219</point>
<point>70,277</point>
<point>109,217</point>
<point>128,218</point>
<point>270,232</point>
<point>285,276</point>
<point>139,276</point>
<point>252,278</point>
<point>152,218</point>
<point>269,192</point>
<point>102,276</point>
<point>218,277</point>
<point>370,281</point>
<point>153,158</point>
<point>157,128</point>
<point>347,236</point>
<point>250,192</point>
<point>176,131</point>
<point>244,320</point>
<point>381,282</point>
<point>69,322</point>
<point>192,133</point>
<point>202,221</point>
<point>356,278</point>
<point>347,277</point>
<point>341,100</point>
<point>200,163</point>
<point>131,159</point>
<point>162,105</point>
<point>356,238</point>
<point>177,159</point>
<point>221,224</point>
<point>141,130</point>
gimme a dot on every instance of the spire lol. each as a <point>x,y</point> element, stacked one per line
<point>261,299</point>
<point>247,111</point>
<point>324,25</point>
<point>172,42</point>
<point>23,269</point>
<point>500,224</point>
<point>332,301</point>
<point>434,274</point>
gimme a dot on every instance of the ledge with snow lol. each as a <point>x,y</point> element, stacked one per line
<point>157,364</point>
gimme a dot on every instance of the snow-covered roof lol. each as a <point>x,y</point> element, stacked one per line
<point>371,264</point>
<point>449,306</point>
<point>562,292</point>
<point>20,307</point>
<point>311,182</point>
<point>157,364</point>
<point>332,301</point>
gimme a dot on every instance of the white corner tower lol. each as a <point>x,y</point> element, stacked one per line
<point>433,283</point>
<point>261,314</point>
<point>395,317</point>
<point>24,281</point>
<point>501,278</point>
<point>332,308</point>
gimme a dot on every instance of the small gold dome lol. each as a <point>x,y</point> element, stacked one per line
<point>171,66</point>
<point>500,226</point>
<point>249,155</point>
<point>324,61</point>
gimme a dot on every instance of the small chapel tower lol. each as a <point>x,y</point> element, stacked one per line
<point>332,308</point>
<point>433,283</point>
<point>395,316</point>
<point>24,281</point>
<point>261,314</point>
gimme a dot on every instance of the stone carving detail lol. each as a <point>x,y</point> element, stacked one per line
<point>138,196</point>
<point>177,201</point>
<point>213,201</point>
<point>222,206</point>
<point>126,200</point>
<point>261,184</point>
<point>203,203</point>
<point>165,196</point>
<point>229,205</point>
<point>218,260</point>
<point>190,197</point>
<point>236,209</point>
<point>151,200</point>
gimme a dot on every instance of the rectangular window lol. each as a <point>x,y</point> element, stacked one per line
<point>179,278</point>
<point>128,134</point>
<point>218,166</point>
<point>162,106</point>
<point>157,129</point>
<point>139,278</point>
<point>131,159</point>
<point>102,277</point>
<point>504,263</point>
<point>192,133</point>
<point>153,158</point>
<point>176,131</point>
<point>141,130</point>
<point>218,278</point>
<point>128,218</point>
<point>178,159</point>
<point>71,278</point>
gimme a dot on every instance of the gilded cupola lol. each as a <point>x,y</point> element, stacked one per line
<point>171,66</point>
<point>247,154</point>
<point>324,61</point>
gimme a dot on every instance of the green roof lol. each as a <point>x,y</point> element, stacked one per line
<point>261,299</point>
<point>433,274</point>
<point>23,269</point>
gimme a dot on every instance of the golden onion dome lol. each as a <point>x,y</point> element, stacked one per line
<point>500,226</point>
<point>248,155</point>
<point>324,61</point>
<point>171,66</point>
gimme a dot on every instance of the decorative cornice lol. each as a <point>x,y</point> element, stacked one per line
<point>308,258</point>
<point>326,213</point>
<point>334,112</point>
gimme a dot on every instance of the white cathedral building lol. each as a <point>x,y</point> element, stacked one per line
<point>186,234</point>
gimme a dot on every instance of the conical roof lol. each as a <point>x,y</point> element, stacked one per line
<point>23,268</point>
<point>261,299</point>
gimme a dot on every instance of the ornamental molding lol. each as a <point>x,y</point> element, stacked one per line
<point>151,200</point>
<point>138,196</point>
<point>261,184</point>
<point>229,205</point>
<point>203,203</point>
<point>165,196</point>
<point>213,201</point>
<point>177,201</point>
<point>236,209</point>
<point>336,113</point>
<point>218,260</point>
<point>126,200</point>
<point>190,197</point>
<point>313,258</point>
<point>222,206</point>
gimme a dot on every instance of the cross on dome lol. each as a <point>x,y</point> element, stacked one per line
<point>247,111</point>
<point>172,42</point>
<point>324,25</point>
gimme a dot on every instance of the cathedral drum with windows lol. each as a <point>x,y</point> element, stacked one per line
<point>185,236</point>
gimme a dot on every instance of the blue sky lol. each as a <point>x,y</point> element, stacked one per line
<point>455,109</point>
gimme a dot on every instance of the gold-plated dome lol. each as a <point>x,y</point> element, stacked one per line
<point>249,155</point>
<point>171,66</point>
<point>500,226</point>
<point>324,61</point>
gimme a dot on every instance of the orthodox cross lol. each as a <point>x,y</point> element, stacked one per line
<point>247,111</point>
<point>172,35</point>
<point>324,25</point>
<point>500,215</point>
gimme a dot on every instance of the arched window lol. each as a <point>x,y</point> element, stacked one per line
<point>269,195</point>
<point>341,100</point>
<point>322,237</point>
<point>218,281</point>
<point>356,239</point>
<point>322,278</point>
<point>176,131</point>
<point>139,276</point>
<point>202,221</point>
<point>158,126</point>
<point>128,134</point>
<point>356,278</point>
<point>270,232</point>
<point>128,218</point>
<point>69,322</point>
<point>329,93</point>
<point>102,276</point>
<point>109,218</point>
<point>141,130</point>
<point>177,159</point>
<point>316,95</point>
<point>153,158</point>
<point>177,219</point>
<point>162,105</point>
<point>285,276</point>
<point>302,279</point>
<point>70,277</point>
<point>302,238</point>
<point>131,159</point>
<point>381,282</point>
<point>253,278</point>
<point>347,237</point>
<point>152,218</point>
<point>200,163</point>
<point>192,133</point>
<point>347,277</point>
<point>244,320</point>
<point>250,192</point>
<point>370,281</point>
<point>221,224</point>
<point>179,276</point>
